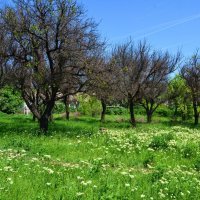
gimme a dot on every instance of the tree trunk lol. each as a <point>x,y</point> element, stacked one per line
<point>175,113</point>
<point>196,119</point>
<point>196,114</point>
<point>66,102</point>
<point>44,123</point>
<point>51,117</point>
<point>103,113</point>
<point>149,116</point>
<point>34,118</point>
<point>132,114</point>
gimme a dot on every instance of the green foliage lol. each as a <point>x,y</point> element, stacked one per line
<point>118,110</point>
<point>164,111</point>
<point>180,98</point>
<point>59,107</point>
<point>148,160</point>
<point>189,151</point>
<point>89,105</point>
<point>157,174</point>
<point>80,162</point>
<point>139,110</point>
<point>161,141</point>
<point>197,164</point>
<point>10,100</point>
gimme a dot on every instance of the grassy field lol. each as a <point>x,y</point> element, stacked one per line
<point>81,160</point>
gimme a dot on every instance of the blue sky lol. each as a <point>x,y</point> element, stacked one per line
<point>166,24</point>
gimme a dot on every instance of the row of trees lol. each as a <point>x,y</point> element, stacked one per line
<point>50,50</point>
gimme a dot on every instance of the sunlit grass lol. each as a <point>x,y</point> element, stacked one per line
<point>80,160</point>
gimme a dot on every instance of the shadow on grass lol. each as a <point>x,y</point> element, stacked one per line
<point>85,126</point>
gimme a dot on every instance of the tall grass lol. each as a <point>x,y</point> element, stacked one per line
<point>86,159</point>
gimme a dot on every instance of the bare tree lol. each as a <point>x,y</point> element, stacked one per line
<point>102,84</point>
<point>51,44</point>
<point>4,64</point>
<point>191,73</point>
<point>153,91</point>
<point>132,69</point>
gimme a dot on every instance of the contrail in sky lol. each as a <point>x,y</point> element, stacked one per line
<point>161,27</point>
<point>170,24</point>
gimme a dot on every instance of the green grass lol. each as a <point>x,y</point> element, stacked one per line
<point>78,160</point>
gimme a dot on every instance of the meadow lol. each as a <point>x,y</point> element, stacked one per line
<point>85,159</point>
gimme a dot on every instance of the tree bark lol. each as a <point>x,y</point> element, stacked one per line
<point>66,102</point>
<point>103,113</point>
<point>34,118</point>
<point>175,113</point>
<point>149,117</point>
<point>51,117</point>
<point>196,114</point>
<point>44,120</point>
<point>132,114</point>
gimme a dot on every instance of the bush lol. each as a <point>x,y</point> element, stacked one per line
<point>164,111</point>
<point>189,151</point>
<point>157,174</point>
<point>59,108</point>
<point>148,160</point>
<point>116,110</point>
<point>89,105</point>
<point>197,164</point>
<point>10,100</point>
<point>161,141</point>
<point>139,110</point>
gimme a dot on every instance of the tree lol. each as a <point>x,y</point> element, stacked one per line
<point>4,64</point>
<point>102,84</point>
<point>179,97</point>
<point>191,74</point>
<point>132,69</point>
<point>50,45</point>
<point>153,90</point>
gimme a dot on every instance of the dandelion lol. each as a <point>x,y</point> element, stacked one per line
<point>78,194</point>
<point>131,176</point>
<point>83,183</point>
<point>10,180</point>
<point>127,185</point>
<point>34,159</point>
<point>79,177</point>
<point>124,173</point>
<point>188,191</point>
<point>50,171</point>
<point>47,156</point>
<point>89,182</point>
<point>182,194</point>
<point>8,168</point>
<point>161,195</point>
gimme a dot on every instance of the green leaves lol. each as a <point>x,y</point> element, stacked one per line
<point>10,100</point>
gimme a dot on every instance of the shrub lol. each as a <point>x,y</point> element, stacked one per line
<point>139,110</point>
<point>148,160</point>
<point>10,100</point>
<point>161,141</point>
<point>59,108</point>
<point>197,164</point>
<point>164,111</point>
<point>116,110</point>
<point>189,151</point>
<point>89,105</point>
<point>157,174</point>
